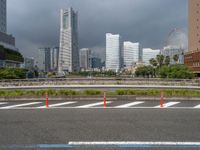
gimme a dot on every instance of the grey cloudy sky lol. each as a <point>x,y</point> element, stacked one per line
<point>35,23</point>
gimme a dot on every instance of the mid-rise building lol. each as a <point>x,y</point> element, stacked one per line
<point>148,54</point>
<point>114,58</point>
<point>96,63</point>
<point>69,51</point>
<point>132,53</point>
<point>85,59</point>
<point>29,63</point>
<point>192,58</point>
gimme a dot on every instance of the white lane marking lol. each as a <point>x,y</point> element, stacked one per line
<point>135,143</point>
<point>198,106</point>
<point>129,104</point>
<point>33,108</point>
<point>20,105</point>
<point>168,104</point>
<point>3,103</point>
<point>93,104</point>
<point>58,104</point>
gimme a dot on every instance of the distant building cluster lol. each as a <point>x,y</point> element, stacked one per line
<point>119,55</point>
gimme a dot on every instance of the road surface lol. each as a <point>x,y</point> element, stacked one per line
<point>88,125</point>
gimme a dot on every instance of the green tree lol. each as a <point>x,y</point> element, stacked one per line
<point>160,60</point>
<point>167,60</point>
<point>176,58</point>
<point>153,62</point>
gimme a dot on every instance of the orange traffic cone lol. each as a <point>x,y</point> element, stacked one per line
<point>104,99</point>
<point>47,100</point>
<point>161,99</point>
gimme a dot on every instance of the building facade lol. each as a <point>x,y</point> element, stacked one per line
<point>85,59</point>
<point>113,52</point>
<point>132,53</point>
<point>171,52</point>
<point>44,60</point>
<point>29,63</point>
<point>69,51</point>
<point>148,54</point>
<point>96,63</point>
<point>192,58</point>
<point>54,54</point>
<point>47,60</point>
<point>3,19</point>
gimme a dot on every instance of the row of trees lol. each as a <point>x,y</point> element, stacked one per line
<point>160,67</point>
<point>12,73</point>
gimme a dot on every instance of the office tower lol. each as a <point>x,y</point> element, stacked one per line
<point>3,16</point>
<point>148,54</point>
<point>69,52</point>
<point>192,58</point>
<point>132,53</point>
<point>113,52</point>
<point>54,53</point>
<point>44,59</point>
<point>85,58</point>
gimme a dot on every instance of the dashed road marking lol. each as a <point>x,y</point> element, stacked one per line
<point>58,104</point>
<point>198,106</point>
<point>93,104</point>
<point>130,104</point>
<point>20,105</point>
<point>168,104</point>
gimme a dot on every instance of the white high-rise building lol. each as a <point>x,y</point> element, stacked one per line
<point>69,52</point>
<point>3,19</point>
<point>148,54</point>
<point>132,53</point>
<point>85,58</point>
<point>114,54</point>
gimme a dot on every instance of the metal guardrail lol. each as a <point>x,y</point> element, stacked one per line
<point>102,81</point>
<point>99,87</point>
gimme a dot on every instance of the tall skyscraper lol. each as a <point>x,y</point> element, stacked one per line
<point>85,58</point>
<point>3,19</point>
<point>69,52</point>
<point>132,52</point>
<point>113,52</point>
<point>192,58</point>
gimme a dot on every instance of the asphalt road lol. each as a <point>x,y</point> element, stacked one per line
<point>25,129</point>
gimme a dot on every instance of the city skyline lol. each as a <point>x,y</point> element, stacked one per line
<point>137,26</point>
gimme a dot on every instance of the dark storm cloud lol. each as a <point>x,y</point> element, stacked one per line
<point>35,23</point>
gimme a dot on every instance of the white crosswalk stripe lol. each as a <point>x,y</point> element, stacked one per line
<point>20,105</point>
<point>169,104</point>
<point>198,106</point>
<point>93,104</point>
<point>130,104</point>
<point>58,104</point>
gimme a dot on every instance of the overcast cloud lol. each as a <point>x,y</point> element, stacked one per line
<point>35,23</point>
